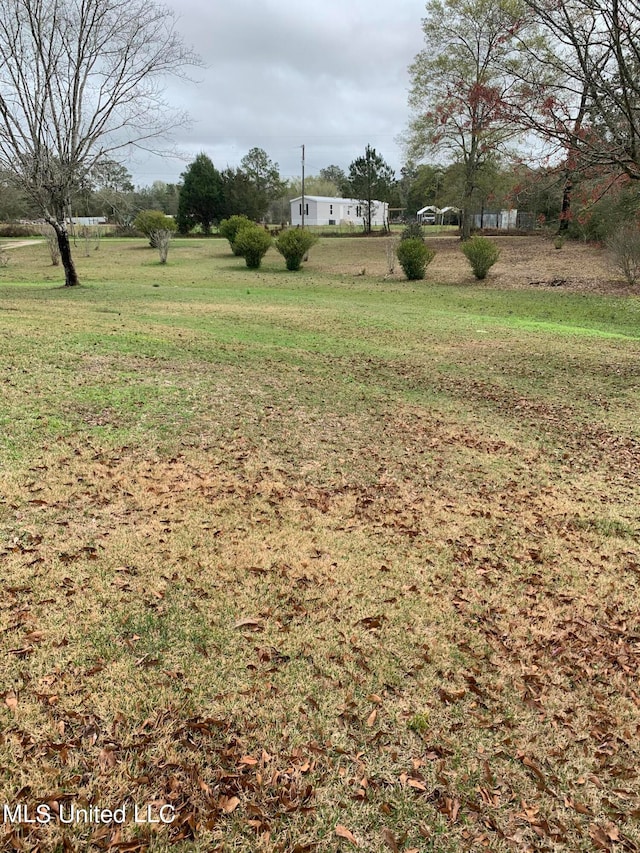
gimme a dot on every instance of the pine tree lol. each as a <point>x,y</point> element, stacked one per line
<point>200,196</point>
<point>370,180</point>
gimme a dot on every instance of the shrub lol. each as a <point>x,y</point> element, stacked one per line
<point>414,258</point>
<point>412,231</point>
<point>15,229</point>
<point>293,245</point>
<point>161,239</point>
<point>229,228</point>
<point>252,242</point>
<point>482,254</point>
<point>148,222</point>
<point>48,232</point>
<point>624,246</point>
<point>391,250</point>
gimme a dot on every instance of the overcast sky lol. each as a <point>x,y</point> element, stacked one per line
<point>331,74</point>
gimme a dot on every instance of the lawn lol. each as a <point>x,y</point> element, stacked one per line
<point>319,561</point>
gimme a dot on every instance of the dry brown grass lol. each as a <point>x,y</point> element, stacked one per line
<point>524,262</point>
<point>213,633</point>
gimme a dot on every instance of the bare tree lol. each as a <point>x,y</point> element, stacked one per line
<point>80,80</point>
<point>585,72</point>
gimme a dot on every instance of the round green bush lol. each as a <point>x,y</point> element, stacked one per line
<point>482,254</point>
<point>148,222</point>
<point>293,245</point>
<point>414,257</point>
<point>252,242</point>
<point>229,228</point>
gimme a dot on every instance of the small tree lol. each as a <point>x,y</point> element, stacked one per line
<point>460,91</point>
<point>161,239</point>
<point>414,257</point>
<point>481,254</point>
<point>229,228</point>
<point>293,245</point>
<point>252,242</point>
<point>264,178</point>
<point>391,253</point>
<point>150,222</point>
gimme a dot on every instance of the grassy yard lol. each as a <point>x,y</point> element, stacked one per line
<point>321,561</point>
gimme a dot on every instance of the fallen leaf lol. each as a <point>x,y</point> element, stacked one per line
<point>229,804</point>
<point>343,832</point>
<point>389,839</point>
<point>254,624</point>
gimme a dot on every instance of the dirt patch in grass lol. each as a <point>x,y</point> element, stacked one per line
<point>525,262</point>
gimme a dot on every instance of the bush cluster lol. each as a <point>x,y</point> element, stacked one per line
<point>229,228</point>
<point>293,245</point>
<point>252,242</point>
<point>482,254</point>
<point>414,257</point>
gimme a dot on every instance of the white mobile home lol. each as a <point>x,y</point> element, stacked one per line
<point>325,210</point>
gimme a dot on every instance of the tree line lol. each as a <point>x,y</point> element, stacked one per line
<point>546,88</point>
<point>556,83</point>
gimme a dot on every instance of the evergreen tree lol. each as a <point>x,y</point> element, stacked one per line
<point>370,180</point>
<point>264,177</point>
<point>200,197</point>
<point>239,196</point>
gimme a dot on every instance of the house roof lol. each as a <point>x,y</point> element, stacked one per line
<point>332,199</point>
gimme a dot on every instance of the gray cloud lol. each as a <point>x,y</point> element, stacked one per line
<point>330,74</point>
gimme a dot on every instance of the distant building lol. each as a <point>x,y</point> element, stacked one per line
<point>325,210</point>
<point>504,220</point>
<point>87,220</point>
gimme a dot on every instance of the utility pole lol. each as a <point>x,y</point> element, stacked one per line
<point>303,187</point>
